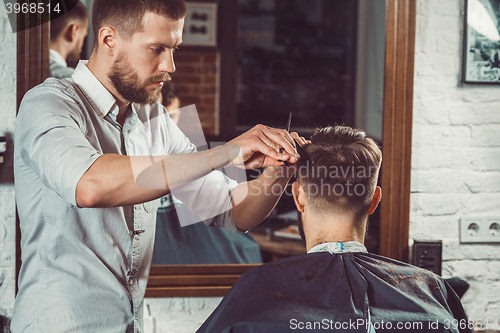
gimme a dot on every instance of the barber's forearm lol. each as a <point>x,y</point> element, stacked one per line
<point>117,180</point>
<point>110,182</point>
<point>254,206</point>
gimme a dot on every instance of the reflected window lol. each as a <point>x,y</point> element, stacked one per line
<point>296,56</point>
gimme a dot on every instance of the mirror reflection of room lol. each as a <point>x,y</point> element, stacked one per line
<point>320,60</point>
<point>67,35</point>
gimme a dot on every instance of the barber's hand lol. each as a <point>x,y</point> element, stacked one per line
<point>301,141</point>
<point>259,147</point>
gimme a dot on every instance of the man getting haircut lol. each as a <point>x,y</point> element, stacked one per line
<point>337,286</point>
<point>93,155</point>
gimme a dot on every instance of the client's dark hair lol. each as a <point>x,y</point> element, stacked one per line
<point>339,169</point>
<point>126,15</point>
<point>77,13</point>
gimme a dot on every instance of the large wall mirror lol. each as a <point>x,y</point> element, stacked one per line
<point>327,61</point>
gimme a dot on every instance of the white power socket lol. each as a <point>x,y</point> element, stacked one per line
<point>480,229</point>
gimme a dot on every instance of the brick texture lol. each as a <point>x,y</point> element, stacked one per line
<point>196,78</point>
<point>455,155</point>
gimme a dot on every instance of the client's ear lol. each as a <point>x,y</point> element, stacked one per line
<point>298,196</point>
<point>70,32</point>
<point>377,196</point>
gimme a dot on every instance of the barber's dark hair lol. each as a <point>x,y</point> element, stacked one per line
<point>339,169</point>
<point>126,16</point>
<point>169,92</point>
<point>78,13</point>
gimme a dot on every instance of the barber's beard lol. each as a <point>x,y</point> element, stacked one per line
<point>300,226</point>
<point>124,78</point>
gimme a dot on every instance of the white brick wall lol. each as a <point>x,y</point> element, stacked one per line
<point>180,315</point>
<point>7,202</point>
<point>455,155</point>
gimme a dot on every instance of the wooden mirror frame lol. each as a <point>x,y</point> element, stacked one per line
<point>216,280</point>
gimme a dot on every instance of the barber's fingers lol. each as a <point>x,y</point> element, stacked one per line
<point>270,148</point>
<point>300,139</point>
<point>280,137</point>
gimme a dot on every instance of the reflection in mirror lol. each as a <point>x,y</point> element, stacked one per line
<point>69,40</point>
<point>88,44</point>
<point>181,237</point>
<point>322,60</point>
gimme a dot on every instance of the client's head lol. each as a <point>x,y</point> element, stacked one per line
<point>336,186</point>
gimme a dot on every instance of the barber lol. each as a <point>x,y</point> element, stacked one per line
<point>92,156</point>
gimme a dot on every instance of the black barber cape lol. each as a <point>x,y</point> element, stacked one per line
<point>324,292</point>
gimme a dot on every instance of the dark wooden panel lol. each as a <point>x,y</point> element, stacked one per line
<point>201,269</point>
<point>188,292</point>
<point>226,41</point>
<point>398,106</point>
<point>32,69</point>
<point>191,280</point>
<point>194,280</point>
<point>32,59</point>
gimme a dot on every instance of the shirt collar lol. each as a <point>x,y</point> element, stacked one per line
<point>342,247</point>
<point>99,97</point>
<point>58,58</point>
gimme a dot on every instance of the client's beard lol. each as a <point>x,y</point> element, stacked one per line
<point>73,58</point>
<point>124,79</point>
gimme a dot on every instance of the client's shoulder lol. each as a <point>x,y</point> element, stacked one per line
<point>289,269</point>
<point>397,272</point>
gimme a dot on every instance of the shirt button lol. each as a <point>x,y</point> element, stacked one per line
<point>136,207</point>
<point>135,244</point>
<point>132,282</point>
<point>135,317</point>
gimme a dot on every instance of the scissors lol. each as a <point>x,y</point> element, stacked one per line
<point>288,130</point>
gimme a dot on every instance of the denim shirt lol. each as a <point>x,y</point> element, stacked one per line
<point>86,269</point>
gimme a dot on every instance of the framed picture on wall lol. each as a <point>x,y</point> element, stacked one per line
<point>200,25</point>
<point>481,58</point>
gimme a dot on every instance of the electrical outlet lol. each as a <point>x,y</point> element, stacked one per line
<point>428,255</point>
<point>480,229</point>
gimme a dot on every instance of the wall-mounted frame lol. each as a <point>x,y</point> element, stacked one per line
<point>481,46</point>
<point>200,25</point>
